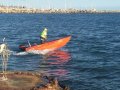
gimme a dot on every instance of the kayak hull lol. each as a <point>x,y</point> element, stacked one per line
<point>51,45</point>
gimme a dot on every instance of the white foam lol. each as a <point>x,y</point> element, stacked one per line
<point>43,52</point>
<point>21,53</point>
<point>18,53</point>
<point>40,51</point>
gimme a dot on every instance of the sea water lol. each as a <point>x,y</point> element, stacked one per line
<point>90,61</point>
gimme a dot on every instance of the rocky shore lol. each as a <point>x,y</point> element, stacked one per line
<point>15,9</point>
<point>30,81</point>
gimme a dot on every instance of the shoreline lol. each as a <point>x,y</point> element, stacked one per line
<point>13,9</point>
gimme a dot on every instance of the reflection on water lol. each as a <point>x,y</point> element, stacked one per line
<point>56,60</point>
<point>57,57</point>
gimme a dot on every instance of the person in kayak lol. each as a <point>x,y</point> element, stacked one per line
<point>43,35</point>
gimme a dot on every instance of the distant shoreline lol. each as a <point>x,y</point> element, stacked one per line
<point>14,9</point>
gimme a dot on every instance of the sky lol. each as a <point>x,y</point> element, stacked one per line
<point>78,4</point>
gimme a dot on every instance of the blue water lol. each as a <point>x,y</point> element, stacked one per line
<point>90,61</point>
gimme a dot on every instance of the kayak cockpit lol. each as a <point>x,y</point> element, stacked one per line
<point>22,47</point>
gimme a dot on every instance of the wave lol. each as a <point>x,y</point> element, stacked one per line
<point>18,53</point>
<point>43,52</point>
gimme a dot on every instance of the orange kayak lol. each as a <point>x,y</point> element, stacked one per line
<point>51,45</point>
